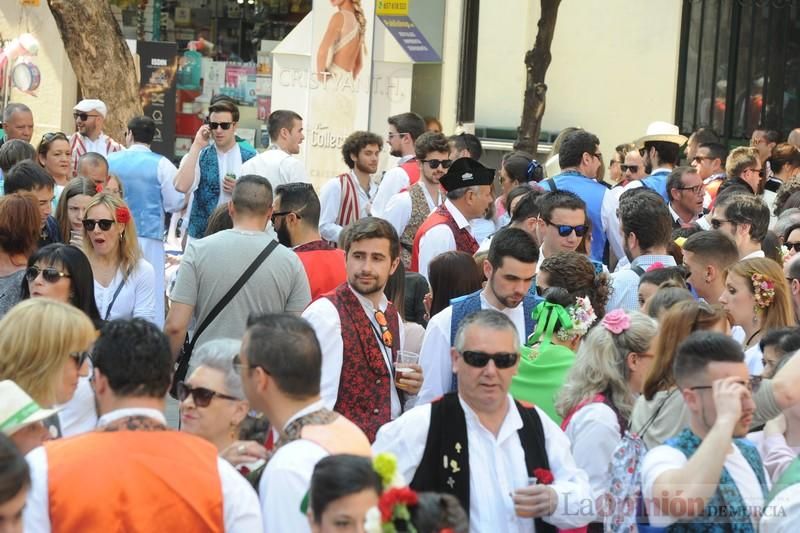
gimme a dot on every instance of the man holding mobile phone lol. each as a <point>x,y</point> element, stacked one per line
<point>210,169</point>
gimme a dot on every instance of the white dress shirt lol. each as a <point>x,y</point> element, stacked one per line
<point>277,166</point>
<point>136,298</point>
<point>229,162</point>
<point>434,357</point>
<point>783,512</point>
<point>754,255</point>
<point>241,512</point>
<point>330,199</point>
<point>98,145</point>
<point>440,238</point>
<point>398,210</point>
<point>324,318</point>
<point>496,466</point>
<point>394,180</point>
<point>286,480</point>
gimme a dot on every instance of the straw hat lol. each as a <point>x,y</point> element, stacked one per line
<point>17,409</point>
<point>662,131</point>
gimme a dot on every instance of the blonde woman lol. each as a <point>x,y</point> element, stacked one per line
<point>124,283</point>
<point>340,51</point>
<point>44,348</point>
<point>597,398</point>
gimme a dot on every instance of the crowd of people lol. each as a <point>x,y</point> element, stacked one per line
<point>441,347</point>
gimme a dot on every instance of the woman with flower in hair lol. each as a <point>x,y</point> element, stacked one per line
<point>598,396</point>
<point>561,323</point>
<point>758,299</point>
<point>343,488</point>
<point>124,283</point>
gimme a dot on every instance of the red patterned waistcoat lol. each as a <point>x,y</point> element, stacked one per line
<point>465,242</point>
<point>364,395</point>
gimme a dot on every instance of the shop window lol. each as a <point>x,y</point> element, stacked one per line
<point>739,66</point>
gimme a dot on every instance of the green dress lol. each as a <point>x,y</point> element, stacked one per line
<point>540,380</point>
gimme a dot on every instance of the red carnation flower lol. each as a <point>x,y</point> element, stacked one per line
<point>99,188</point>
<point>123,215</point>
<point>395,496</point>
<point>543,475</point>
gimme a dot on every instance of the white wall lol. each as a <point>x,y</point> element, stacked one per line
<point>614,67</point>
<point>57,93</point>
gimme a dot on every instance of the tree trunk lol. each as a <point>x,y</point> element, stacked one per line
<point>537,61</point>
<point>100,58</point>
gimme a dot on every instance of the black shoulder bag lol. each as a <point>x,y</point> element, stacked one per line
<point>182,364</point>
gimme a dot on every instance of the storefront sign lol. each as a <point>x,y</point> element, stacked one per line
<point>410,38</point>
<point>158,65</point>
<point>391,8</point>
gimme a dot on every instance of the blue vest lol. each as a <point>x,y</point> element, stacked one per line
<point>471,303</point>
<point>725,511</point>
<point>207,194</point>
<point>592,193</point>
<point>658,182</point>
<point>138,172</point>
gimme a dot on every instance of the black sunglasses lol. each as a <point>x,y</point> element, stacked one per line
<point>793,246</point>
<point>434,163</point>
<point>277,214</point>
<point>565,230</point>
<point>50,274</point>
<point>632,168</point>
<point>104,223</point>
<point>481,359</point>
<point>83,116</point>
<point>717,223</point>
<point>223,125</point>
<point>200,395</point>
<point>80,357</point>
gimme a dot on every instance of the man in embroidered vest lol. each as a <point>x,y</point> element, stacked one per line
<point>484,448</point>
<point>277,163</point>
<point>210,170</point>
<point>469,194</point>
<point>126,474</point>
<point>404,130</point>
<point>280,365</point>
<point>580,160</point>
<point>348,197</point>
<point>660,148</point>
<point>407,210</point>
<point>361,333</point>
<point>708,477</point>
<point>295,216</point>
<point>509,269</point>
<point>147,178</point>
<point>89,137</point>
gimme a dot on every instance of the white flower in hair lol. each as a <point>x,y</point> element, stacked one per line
<point>582,315</point>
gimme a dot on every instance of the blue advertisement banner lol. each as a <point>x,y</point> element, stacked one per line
<point>410,38</point>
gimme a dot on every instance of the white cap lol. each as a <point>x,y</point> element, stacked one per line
<point>85,106</point>
<point>17,409</point>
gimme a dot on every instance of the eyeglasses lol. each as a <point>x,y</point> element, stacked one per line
<point>717,223</point>
<point>598,155</point>
<point>80,357</point>
<point>50,275</point>
<point>752,385</point>
<point>398,134</point>
<point>238,365</point>
<point>565,230</point>
<point>83,116</point>
<point>386,335</point>
<point>481,359</point>
<point>277,214</point>
<point>793,246</point>
<point>434,163</point>
<point>696,189</point>
<point>224,125</point>
<point>104,223</point>
<point>644,355</point>
<point>759,171</point>
<point>633,168</point>
<point>200,395</point>
<point>701,158</point>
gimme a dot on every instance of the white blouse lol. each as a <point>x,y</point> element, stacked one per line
<point>136,299</point>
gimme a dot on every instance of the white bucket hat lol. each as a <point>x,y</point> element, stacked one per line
<point>17,409</point>
<point>662,131</point>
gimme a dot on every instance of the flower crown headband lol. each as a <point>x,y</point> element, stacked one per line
<point>763,290</point>
<point>575,320</point>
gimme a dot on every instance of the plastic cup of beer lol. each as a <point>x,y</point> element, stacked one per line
<point>404,362</point>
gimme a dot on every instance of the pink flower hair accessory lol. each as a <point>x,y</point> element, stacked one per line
<point>616,321</point>
<point>655,266</point>
<point>763,290</point>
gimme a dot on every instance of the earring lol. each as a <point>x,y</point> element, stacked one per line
<point>122,235</point>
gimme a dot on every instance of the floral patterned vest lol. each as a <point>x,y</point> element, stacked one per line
<point>419,212</point>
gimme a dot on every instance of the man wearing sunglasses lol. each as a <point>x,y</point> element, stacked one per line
<point>404,130</point>
<point>479,437</point>
<point>407,210</point>
<point>633,167</point>
<point>561,225</point>
<point>133,457</point>
<point>708,477</point>
<point>361,333</point>
<point>148,180</point>
<point>744,168</point>
<point>509,269</point>
<point>709,160</point>
<point>469,194</point>
<point>90,115</point>
<point>745,218</point>
<point>687,195</point>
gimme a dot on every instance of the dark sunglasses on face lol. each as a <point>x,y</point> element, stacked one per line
<point>633,168</point>
<point>434,163</point>
<point>50,274</point>
<point>793,246</point>
<point>104,223</point>
<point>80,357</point>
<point>83,116</point>
<point>565,230</point>
<point>223,125</point>
<point>481,359</point>
<point>200,395</point>
<point>717,223</point>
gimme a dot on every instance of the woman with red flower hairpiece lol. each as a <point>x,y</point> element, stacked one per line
<point>124,283</point>
<point>757,297</point>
